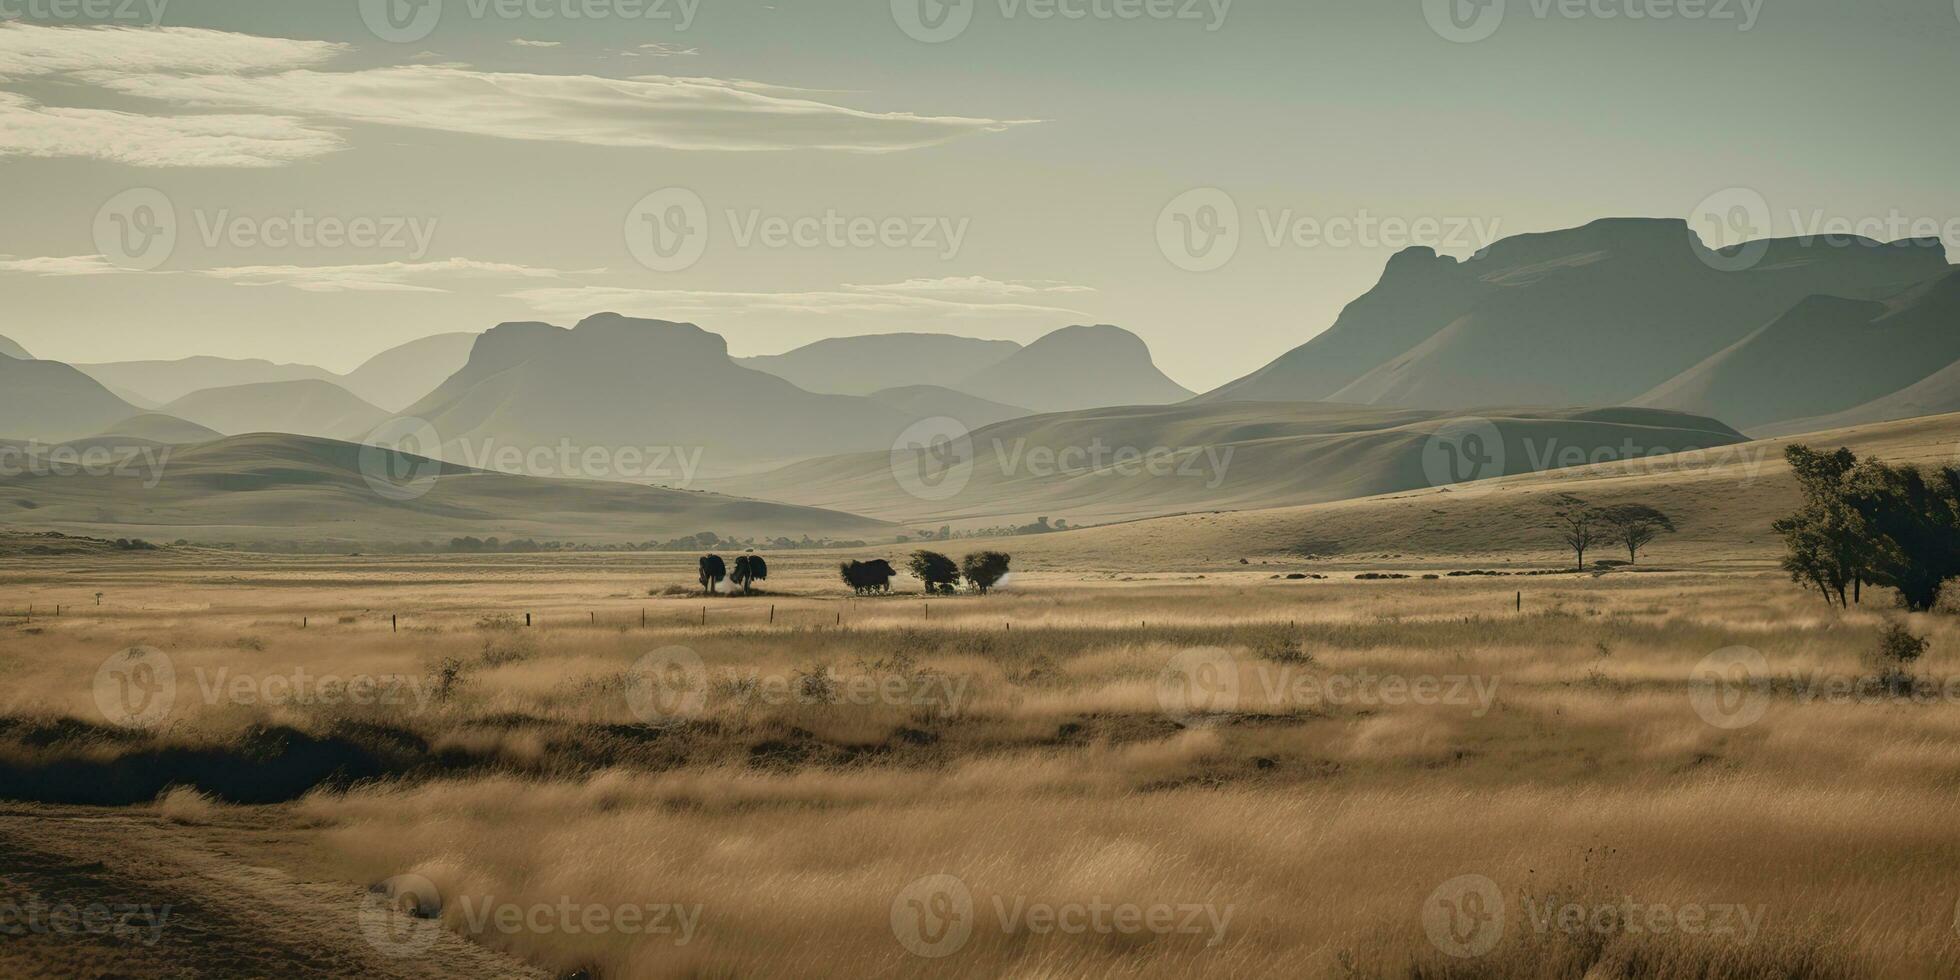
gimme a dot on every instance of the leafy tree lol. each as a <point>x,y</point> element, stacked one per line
<point>984,570</point>
<point>713,570</point>
<point>749,569</point>
<point>1911,519</point>
<point>937,571</point>
<point>1826,544</point>
<point>1634,526</point>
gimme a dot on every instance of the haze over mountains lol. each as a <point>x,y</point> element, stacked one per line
<point>10,349</point>
<point>305,408</point>
<point>862,365</point>
<point>391,379</point>
<point>1126,463</point>
<point>1598,315</point>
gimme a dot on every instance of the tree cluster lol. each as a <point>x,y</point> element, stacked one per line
<point>1630,526</point>
<point>1871,522</point>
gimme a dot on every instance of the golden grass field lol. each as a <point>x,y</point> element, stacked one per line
<point>1302,795</point>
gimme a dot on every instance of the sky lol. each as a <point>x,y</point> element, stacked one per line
<point>318,180</point>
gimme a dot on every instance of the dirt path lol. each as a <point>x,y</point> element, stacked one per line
<point>122,893</point>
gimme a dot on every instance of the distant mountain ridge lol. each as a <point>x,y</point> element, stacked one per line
<point>1596,315</point>
<point>10,349</point>
<point>392,379</point>
<point>1074,368</point>
<point>302,408</point>
<point>866,364</point>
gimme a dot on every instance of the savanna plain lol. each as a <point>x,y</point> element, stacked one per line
<point>579,766</point>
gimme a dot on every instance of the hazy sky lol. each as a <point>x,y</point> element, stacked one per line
<point>545,159</point>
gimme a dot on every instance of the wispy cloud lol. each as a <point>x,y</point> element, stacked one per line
<point>915,298</point>
<point>648,111</point>
<point>662,49</point>
<point>30,129</point>
<point>302,100</point>
<point>524,42</point>
<point>71,265</point>
<point>402,277</point>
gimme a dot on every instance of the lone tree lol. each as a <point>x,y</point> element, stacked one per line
<point>1582,527</point>
<point>1634,526</point>
<point>749,569</point>
<point>937,571</point>
<point>984,570</point>
<point>713,570</point>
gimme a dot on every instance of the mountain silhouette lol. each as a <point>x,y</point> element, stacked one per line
<point>52,402</point>
<point>1596,315</point>
<point>305,408</point>
<point>1074,368</point>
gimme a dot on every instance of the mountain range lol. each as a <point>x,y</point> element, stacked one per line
<point>1607,314</point>
<point>391,379</point>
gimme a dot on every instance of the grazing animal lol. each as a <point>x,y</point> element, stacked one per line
<point>868,577</point>
<point>749,569</point>
<point>713,570</point>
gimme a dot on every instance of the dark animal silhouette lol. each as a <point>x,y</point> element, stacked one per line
<point>868,577</point>
<point>749,569</point>
<point>713,570</point>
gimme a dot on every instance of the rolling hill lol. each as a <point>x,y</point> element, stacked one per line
<point>163,382</point>
<point>303,408</point>
<point>1597,315</point>
<point>1137,462</point>
<point>1722,500</point>
<point>931,401</point>
<point>868,364</point>
<point>295,489</point>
